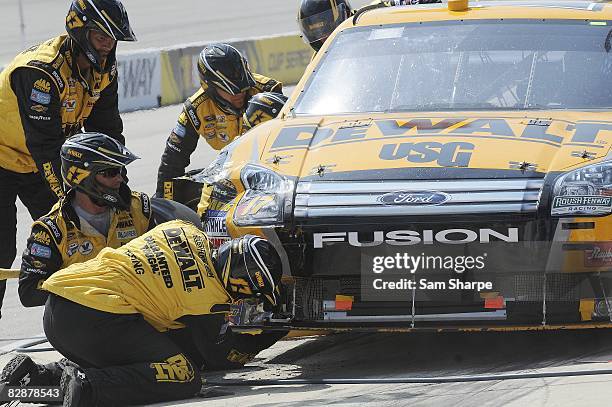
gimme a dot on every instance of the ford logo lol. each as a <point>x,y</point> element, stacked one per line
<point>414,198</point>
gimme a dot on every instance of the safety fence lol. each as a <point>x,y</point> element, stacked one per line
<point>160,77</point>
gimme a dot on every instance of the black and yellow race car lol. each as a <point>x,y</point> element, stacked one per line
<point>443,166</point>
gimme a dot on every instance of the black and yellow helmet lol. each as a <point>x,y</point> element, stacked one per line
<point>87,154</point>
<point>107,16</point>
<point>222,66</point>
<point>263,107</point>
<point>319,18</point>
<point>250,267</point>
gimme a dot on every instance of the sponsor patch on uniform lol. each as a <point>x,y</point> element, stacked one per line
<point>42,85</point>
<point>40,97</point>
<point>69,105</point>
<point>180,130</point>
<point>215,227</point>
<point>85,248</point>
<point>42,237</point>
<point>210,134</point>
<point>209,126</point>
<point>39,250</point>
<point>72,249</point>
<point>146,205</point>
<point>224,137</point>
<point>54,229</point>
<point>126,234</point>
<point>220,119</point>
<point>174,139</point>
<point>210,118</point>
<point>582,204</point>
<point>43,118</point>
<point>38,264</point>
<point>39,108</point>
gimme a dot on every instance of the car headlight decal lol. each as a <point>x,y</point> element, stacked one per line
<point>267,200</point>
<point>586,191</point>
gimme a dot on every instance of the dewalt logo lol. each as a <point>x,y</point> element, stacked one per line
<point>259,278</point>
<point>190,272</point>
<point>175,369</point>
<point>75,153</point>
<point>52,179</point>
<point>168,193</point>
<point>42,85</point>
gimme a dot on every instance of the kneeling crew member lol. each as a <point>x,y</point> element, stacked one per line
<point>127,297</point>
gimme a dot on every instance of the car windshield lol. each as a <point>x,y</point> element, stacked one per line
<point>464,65</point>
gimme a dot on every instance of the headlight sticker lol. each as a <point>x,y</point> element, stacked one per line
<point>582,204</point>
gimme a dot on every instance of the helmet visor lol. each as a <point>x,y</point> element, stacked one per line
<point>319,26</point>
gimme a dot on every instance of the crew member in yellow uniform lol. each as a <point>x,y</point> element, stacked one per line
<point>48,93</point>
<point>108,315</point>
<point>215,111</point>
<point>98,211</point>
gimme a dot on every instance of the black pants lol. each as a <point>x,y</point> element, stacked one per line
<point>35,194</point>
<point>126,360</point>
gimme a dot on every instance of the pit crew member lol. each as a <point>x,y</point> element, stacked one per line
<point>98,211</point>
<point>167,279</point>
<point>215,111</point>
<point>47,93</point>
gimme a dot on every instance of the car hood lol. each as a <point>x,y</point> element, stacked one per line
<point>455,143</point>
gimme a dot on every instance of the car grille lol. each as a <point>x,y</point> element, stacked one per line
<point>361,198</point>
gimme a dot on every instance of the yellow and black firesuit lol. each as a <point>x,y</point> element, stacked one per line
<point>202,117</point>
<point>59,239</point>
<point>166,279</point>
<point>43,101</point>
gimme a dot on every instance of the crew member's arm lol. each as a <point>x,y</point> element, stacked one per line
<point>39,108</point>
<point>265,84</point>
<point>179,147</point>
<point>40,259</point>
<point>228,350</point>
<point>104,117</point>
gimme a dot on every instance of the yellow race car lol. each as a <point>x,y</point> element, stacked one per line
<point>442,166</point>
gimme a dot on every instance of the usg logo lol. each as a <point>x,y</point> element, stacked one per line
<point>414,198</point>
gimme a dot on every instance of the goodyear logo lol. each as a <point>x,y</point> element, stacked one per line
<point>175,369</point>
<point>190,272</point>
<point>39,108</point>
<point>42,85</point>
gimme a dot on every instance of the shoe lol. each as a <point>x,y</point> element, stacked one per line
<point>76,388</point>
<point>21,371</point>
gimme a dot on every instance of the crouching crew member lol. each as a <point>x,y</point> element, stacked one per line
<point>122,302</point>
